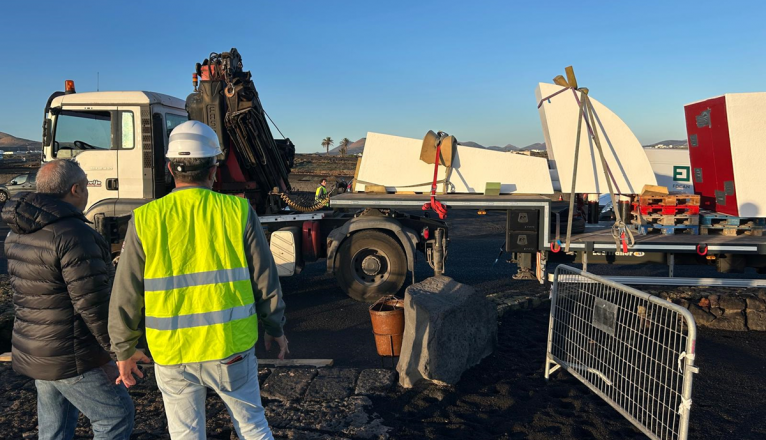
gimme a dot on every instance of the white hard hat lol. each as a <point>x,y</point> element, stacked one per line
<point>193,139</point>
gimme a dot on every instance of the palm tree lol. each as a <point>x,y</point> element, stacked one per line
<point>327,143</point>
<point>344,146</point>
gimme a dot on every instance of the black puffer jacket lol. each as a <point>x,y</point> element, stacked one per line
<point>61,274</point>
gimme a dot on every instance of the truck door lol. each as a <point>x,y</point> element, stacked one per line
<point>90,135</point>
<point>130,168</point>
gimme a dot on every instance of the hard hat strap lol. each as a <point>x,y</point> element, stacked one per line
<point>185,168</point>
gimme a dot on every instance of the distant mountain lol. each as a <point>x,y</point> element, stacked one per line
<point>358,147</point>
<point>471,144</point>
<point>535,146</point>
<point>509,147</point>
<point>353,148</point>
<point>12,143</point>
<point>669,144</point>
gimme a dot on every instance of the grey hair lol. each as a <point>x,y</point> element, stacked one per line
<point>200,167</point>
<point>57,177</point>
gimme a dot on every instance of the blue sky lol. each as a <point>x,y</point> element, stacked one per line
<point>342,68</point>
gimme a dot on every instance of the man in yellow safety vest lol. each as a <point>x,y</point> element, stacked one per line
<point>199,264</point>
<point>321,192</point>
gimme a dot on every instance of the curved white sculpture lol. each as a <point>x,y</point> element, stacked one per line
<point>624,154</point>
<point>394,162</point>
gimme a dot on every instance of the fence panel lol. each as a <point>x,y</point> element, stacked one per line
<point>634,350</point>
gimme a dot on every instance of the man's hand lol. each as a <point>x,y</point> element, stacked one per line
<point>128,367</point>
<point>281,341</point>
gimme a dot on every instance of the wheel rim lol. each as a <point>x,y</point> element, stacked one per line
<point>3,196</point>
<point>371,266</point>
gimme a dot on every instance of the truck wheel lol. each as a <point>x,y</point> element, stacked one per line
<point>370,265</point>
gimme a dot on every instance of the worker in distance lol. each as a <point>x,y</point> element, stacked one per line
<point>199,263</point>
<point>321,193</point>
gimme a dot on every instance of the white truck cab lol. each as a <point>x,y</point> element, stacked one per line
<point>118,138</point>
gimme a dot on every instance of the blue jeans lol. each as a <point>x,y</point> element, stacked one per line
<point>184,388</point>
<point>108,406</point>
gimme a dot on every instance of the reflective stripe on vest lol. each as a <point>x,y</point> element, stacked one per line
<point>197,279</point>
<point>200,319</point>
<point>198,290</point>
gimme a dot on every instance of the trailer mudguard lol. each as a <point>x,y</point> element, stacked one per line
<point>407,238</point>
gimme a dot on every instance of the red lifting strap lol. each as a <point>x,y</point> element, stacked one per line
<point>434,204</point>
<point>624,243</point>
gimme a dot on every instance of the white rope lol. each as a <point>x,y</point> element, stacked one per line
<point>681,358</point>
<point>680,362</point>
<point>685,406</point>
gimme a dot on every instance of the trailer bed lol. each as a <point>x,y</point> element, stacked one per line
<point>595,238</point>
<point>599,238</point>
<point>453,201</point>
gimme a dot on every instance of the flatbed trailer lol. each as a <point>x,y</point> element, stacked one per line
<point>595,245</point>
<point>730,254</point>
<point>538,233</point>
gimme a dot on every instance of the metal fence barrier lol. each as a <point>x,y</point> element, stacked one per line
<point>635,350</point>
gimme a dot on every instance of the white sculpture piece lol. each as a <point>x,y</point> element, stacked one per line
<point>624,154</point>
<point>394,162</point>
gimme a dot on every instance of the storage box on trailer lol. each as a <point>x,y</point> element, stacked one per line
<point>727,148</point>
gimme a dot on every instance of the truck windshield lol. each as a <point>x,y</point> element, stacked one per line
<point>78,131</point>
<point>172,121</point>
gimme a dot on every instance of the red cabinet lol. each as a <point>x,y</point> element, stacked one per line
<point>710,153</point>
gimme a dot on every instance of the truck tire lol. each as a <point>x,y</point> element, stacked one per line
<point>370,265</point>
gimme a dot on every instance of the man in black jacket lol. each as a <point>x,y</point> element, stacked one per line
<point>61,273</point>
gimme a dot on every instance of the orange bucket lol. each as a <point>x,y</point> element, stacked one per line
<point>387,315</point>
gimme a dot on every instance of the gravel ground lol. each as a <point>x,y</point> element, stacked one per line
<point>507,397</point>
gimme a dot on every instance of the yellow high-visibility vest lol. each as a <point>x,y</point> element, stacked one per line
<point>198,293</point>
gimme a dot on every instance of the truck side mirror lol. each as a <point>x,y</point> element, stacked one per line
<point>46,131</point>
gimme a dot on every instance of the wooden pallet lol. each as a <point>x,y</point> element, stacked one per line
<point>732,231</point>
<point>668,230</point>
<point>667,209</point>
<point>670,200</point>
<point>715,219</point>
<point>665,220</point>
<point>713,223</point>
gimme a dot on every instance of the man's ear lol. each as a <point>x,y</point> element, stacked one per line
<point>211,172</point>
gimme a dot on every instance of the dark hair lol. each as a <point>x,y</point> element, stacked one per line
<point>199,167</point>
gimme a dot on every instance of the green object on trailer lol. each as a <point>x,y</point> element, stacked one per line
<point>492,189</point>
